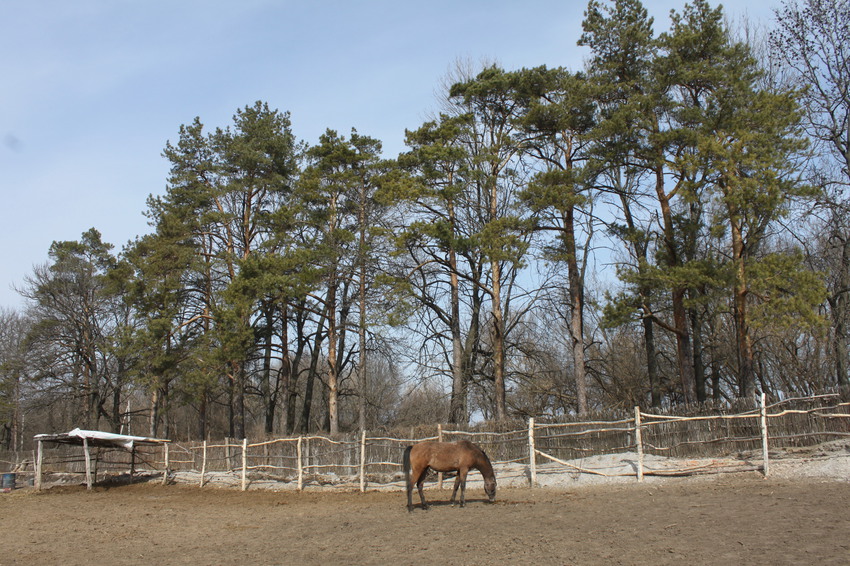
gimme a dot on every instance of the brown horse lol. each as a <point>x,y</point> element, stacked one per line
<point>460,456</point>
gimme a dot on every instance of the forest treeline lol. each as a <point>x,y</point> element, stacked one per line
<point>665,226</point>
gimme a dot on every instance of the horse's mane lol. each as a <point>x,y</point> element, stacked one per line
<point>474,446</point>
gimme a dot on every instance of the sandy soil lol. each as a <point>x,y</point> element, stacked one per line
<point>798,515</point>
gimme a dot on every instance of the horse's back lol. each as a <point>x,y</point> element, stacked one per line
<point>446,456</point>
<point>468,445</point>
<point>428,450</point>
<point>471,448</point>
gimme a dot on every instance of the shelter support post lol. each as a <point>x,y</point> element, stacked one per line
<point>87,453</point>
<point>38,463</point>
<point>165,457</point>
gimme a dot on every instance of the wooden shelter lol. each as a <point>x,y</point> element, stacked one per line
<point>89,438</point>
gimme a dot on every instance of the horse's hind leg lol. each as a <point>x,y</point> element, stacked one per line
<point>409,493</point>
<point>416,478</point>
<point>419,481</point>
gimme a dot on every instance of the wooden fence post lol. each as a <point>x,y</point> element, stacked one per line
<point>639,444</point>
<point>532,453</point>
<point>165,457</point>
<point>300,466</point>
<point>763,415</point>
<point>439,439</point>
<point>38,466</point>
<point>203,464</point>
<point>363,462</point>
<point>244,464</point>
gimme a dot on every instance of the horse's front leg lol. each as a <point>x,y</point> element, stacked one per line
<point>461,479</point>
<point>454,491</point>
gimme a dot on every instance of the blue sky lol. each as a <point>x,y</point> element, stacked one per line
<point>93,89</point>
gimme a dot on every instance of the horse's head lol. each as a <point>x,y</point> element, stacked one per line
<point>490,488</point>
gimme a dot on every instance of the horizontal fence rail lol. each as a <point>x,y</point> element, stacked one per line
<point>360,460</point>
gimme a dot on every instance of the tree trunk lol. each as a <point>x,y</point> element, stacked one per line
<point>153,423</point>
<point>202,416</point>
<point>498,334</point>
<point>699,369</point>
<point>333,384</point>
<point>16,429</point>
<point>501,412</point>
<point>304,424</point>
<point>268,390</point>
<point>840,314</point>
<point>163,398</point>
<point>576,291</point>
<point>746,381</point>
<point>684,352</point>
<point>472,344</point>
<point>116,404</point>
<point>238,399</point>
<point>295,367</point>
<point>361,362</point>
<point>640,249</point>
<point>651,363</point>
<point>458,405</point>
<point>361,327</point>
<point>285,373</point>
<point>231,414</point>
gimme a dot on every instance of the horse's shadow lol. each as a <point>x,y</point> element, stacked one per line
<point>448,503</point>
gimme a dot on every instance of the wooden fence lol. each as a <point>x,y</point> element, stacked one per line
<point>747,436</point>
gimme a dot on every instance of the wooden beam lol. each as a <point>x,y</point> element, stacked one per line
<point>38,464</point>
<point>87,453</point>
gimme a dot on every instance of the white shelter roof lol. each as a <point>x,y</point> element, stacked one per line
<point>99,438</point>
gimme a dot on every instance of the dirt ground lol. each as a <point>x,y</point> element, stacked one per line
<point>725,519</point>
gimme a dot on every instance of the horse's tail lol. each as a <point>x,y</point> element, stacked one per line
<point>408,479</point>
<point>406,465</point>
